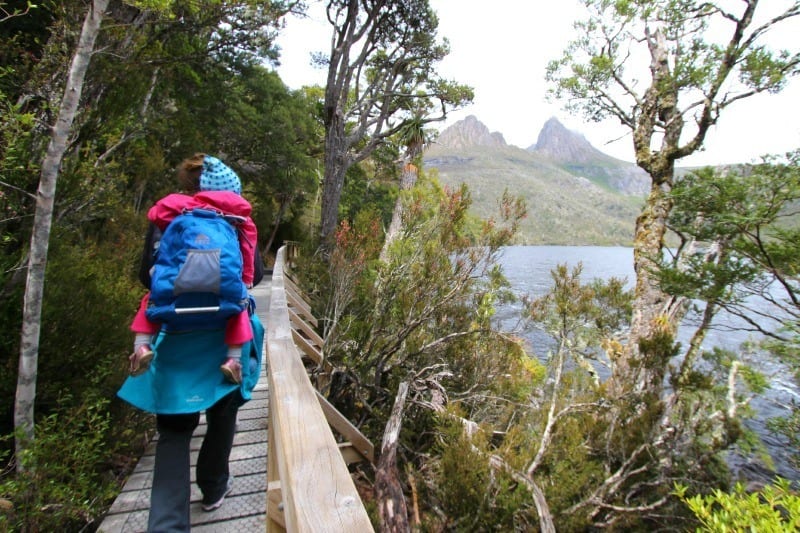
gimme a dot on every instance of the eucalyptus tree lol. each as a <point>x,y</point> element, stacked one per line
<point>381,63</point>
<point>43,218</point>
<point>667,70</point>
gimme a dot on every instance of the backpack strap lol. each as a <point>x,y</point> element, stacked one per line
<point>258,273</point>
<point>148,259</point>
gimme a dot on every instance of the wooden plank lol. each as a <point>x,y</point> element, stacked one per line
<point>292,286</point>
<point>307,330</point>
<point>301,308</point>
<point>288,276</point>
<point>275,507</point>
<point>289,281</point>
<point>346,428</point>
<point>309,349</point>
<point>349,453</point>
<point>297,298</point>
<point>274,523</point>
<point>316,488</point>
<point>292,251</point>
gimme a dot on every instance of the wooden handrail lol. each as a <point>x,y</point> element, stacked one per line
<point>309,486</point>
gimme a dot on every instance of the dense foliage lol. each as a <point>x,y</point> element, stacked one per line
<point>422,317</point>
<point>661,71</point>
<point>775,508</point>
<point>482,451</point>
<point>151,98</point>
<point>487,427</point>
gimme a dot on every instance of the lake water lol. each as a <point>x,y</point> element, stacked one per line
<point>528,270</point>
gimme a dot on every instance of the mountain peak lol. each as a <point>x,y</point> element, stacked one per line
<point>563,145</point>
<point>469,132</point>
<point>556,146</point>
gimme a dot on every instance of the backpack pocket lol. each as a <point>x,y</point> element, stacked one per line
<point>200,273</point>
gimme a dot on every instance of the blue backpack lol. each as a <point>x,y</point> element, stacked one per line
<point>196,282</point>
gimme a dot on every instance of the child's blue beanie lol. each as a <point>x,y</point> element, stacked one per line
<point>217,176</point>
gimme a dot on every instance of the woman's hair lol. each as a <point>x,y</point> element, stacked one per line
<point>189,173</point>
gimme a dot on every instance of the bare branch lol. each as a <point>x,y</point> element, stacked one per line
<point>6,14</point>
<point>548,429</point>
<point>23,191</point>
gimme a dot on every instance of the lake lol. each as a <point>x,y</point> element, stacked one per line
<point>528,270</point>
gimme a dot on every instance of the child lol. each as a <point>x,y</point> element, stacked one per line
<point>215,186</point>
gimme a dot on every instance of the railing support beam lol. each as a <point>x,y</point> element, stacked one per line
<point>316,492</point>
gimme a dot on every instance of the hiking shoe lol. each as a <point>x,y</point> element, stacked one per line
<point>140,360</point>
<point>213,506</point>
<point>232,369</point>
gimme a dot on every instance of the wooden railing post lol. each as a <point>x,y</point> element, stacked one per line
<point>309,485</point>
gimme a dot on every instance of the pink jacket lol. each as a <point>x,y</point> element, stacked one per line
<point>225,202</point>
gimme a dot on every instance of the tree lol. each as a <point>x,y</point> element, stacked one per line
<point>156,66</point>
<point>381,70</point>
<point>414,137</point>
<point>694,75</point>
<point>748,216</point>
<point>693,78</point>
<point>5,14</point>
<point>26,380</point>
<point>272,133</point>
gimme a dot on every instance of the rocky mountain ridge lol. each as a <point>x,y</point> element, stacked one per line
<point>556,145</point>
<point>575,193</point>
<point>468,133</point>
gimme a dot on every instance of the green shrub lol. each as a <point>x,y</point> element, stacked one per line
<point>60,483</point>
<point>773,509</point>
<point>85,439</point>
<point>90,299</point>
<point>473,495</point>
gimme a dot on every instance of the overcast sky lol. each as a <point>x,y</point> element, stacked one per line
<point>501,50</point>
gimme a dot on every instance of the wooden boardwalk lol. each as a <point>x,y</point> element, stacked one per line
<point>245,508</point>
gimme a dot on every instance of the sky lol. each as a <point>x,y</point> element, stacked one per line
<point>501,49</point>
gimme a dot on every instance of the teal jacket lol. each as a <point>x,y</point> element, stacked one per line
<point>184,376</point>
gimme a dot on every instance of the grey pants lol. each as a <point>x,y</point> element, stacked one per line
<point>171,491</point>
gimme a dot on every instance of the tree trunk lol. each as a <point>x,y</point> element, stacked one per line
<point>42,222</point>
<point>388,491</point>
<point>285,201</point>
<point>336,165</point>
<point>408,178</point>
<point>632,372</point>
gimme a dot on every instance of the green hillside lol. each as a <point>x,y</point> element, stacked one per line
<point>563,208</point>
